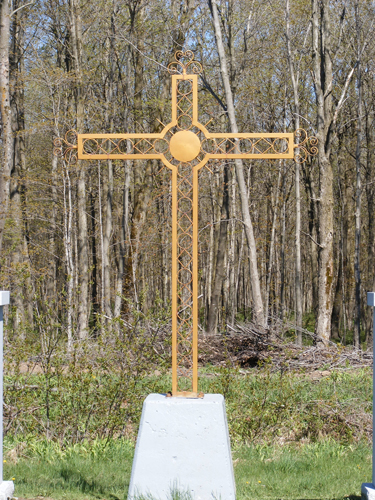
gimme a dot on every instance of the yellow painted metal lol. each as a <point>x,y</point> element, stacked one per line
<point>174,279</point>
<point>195,280</point>
<point>185,146</point>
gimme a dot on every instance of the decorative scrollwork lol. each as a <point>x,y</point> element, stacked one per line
<point>246,146</point>
<point>67,147</point>
<point>183,62</point>
<point>306,146</point>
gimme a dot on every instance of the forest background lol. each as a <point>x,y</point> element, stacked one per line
<point>87,247</point>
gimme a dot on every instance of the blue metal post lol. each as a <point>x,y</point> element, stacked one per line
<point>4,300</point>
<point>371,302</point>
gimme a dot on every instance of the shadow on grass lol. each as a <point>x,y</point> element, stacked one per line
<point>72,477</point>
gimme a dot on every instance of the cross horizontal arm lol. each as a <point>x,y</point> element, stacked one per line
<point>121,146</point>
<point>154,146</point>
<point>251,145</point>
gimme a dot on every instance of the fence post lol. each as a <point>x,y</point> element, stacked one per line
<point>368,489</point>
<point>6,487</point>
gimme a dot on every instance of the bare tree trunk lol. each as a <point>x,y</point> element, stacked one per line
<point>83,254</point>
<point>17,174</point>
<point>294,74</point>
<point>232,246</point>
<point>6,150</point>
<point>258,312</point>
<point>101,238</point>
<point>68,221</point>
<point>95,279</point>
<point>326,124</point>
<point>220,268</point>
<point>358,192</point>
<point>282,256</point>
<point>124,225</point>
<point>109,113</point>
<point>272,243</point>
<point>124,231</point>
<point>210,263</point>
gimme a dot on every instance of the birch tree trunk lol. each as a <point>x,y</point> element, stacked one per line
<point>6,150</point>
<point>358,192</point>
<point>109,184</point>
<point>124,227</point>
<point>258,312</point>
<point>294,74</point>
<point>68,221</point>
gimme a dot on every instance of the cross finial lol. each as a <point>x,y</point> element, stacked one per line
<point>183,62</point>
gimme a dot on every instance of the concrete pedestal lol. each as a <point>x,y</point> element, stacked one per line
<point>183,444</point>
<point>367,491</point>
<point>6,490</point>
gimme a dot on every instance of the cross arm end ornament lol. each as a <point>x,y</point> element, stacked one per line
<point>305,146</point>
<point>67,147</point>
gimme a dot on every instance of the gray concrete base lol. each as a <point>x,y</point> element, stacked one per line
<point>183,444</point>
<point>6,490</point>
<point>367,491</point>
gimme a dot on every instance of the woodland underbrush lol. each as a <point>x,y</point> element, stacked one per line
<point>96,391</point>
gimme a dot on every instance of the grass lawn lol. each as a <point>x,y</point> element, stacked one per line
<point>308,437</point>
<point>318,471</point>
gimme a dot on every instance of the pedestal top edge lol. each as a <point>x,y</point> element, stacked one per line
<point>207,398</point>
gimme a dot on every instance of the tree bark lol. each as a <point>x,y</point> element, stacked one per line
<point>6,150</point>
<point>82,237</point>
<point>294,74</point>
<point>358,192</point>
<point>220,268</point>
<point>325,125</point>
<point>272,241</point>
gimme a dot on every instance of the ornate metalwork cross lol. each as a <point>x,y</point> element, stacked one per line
<point>185,146</point>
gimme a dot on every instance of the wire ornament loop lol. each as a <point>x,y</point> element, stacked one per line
<point>183,62</point>
<point>308,146</point>
<point>67,147</point>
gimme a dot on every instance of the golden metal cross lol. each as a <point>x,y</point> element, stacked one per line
<point>185,146</point>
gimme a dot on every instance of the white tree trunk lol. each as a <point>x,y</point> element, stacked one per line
<point>294,74</point>
<point>6,151</point>
<point>258,313</point>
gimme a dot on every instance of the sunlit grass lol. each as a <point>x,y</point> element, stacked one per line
<point>100,470</point>
<point>321,471</point>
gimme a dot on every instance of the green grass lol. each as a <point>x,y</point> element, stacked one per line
<point>319,471</point>
<point>85,471</point>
